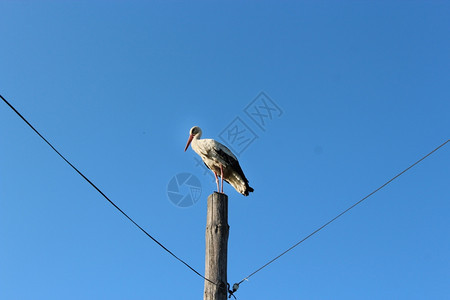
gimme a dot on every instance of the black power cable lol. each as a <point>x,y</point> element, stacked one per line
<point>236,285</point>
<point>104,196</point>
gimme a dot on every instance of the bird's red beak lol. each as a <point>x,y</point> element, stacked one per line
<point>189,142</point>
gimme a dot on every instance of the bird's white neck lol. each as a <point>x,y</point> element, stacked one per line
<point>195,143</point>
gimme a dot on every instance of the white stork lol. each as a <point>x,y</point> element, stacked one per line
<point>220,160</point>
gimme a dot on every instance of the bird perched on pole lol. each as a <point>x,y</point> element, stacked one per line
<point>220,160</point>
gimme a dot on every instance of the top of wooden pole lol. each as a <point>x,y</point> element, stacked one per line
<point>218,195</point>
<point>219,206</point>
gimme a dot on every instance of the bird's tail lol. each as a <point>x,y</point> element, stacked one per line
<point>240,186</point>
<point>248,189</point>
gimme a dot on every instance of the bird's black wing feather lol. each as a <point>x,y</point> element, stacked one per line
<point>234,163</point>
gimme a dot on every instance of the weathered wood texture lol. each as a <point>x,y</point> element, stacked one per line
<point>217,230</point>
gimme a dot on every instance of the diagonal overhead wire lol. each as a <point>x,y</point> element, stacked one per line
<point>101,193</point>
<point>339,215</point>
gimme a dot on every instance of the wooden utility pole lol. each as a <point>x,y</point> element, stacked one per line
<point>217,230</point>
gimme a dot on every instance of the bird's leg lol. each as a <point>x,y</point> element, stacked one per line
<point>221,177</point>
<point>217,182</point>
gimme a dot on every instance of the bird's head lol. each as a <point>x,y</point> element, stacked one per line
<point>195,132</point>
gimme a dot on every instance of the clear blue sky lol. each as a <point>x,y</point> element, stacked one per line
<point>116,86</point>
